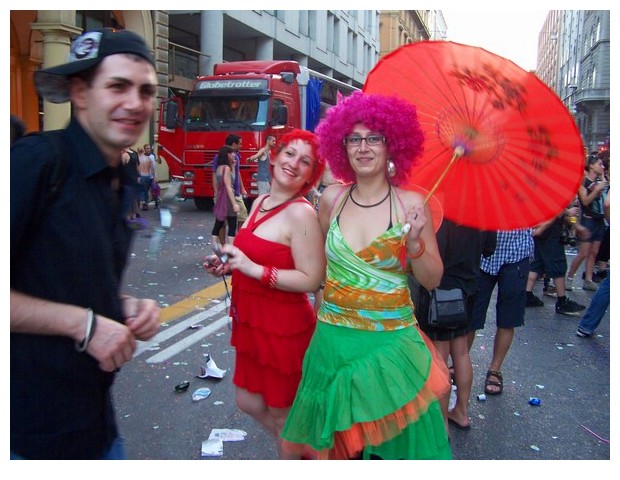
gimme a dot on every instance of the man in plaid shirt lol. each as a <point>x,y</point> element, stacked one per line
<point>508,268</point>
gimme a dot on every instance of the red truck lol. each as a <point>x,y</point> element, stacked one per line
<point>252,99</point>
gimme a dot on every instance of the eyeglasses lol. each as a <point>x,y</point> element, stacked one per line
<point>356,140</point>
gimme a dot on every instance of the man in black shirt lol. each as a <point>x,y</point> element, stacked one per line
<point>71,328</point>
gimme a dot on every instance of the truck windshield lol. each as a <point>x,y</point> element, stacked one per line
<point>208,113</point>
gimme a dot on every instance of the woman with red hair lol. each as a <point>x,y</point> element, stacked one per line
<point>276,258</point>
<point>371,380</point>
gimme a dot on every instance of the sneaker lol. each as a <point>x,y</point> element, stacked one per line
<point>532,300</point>
<point>550,291</point>
<point>590,285</point>
<point>569,307</point>
<point>582,334</point>
<point>569,284</point>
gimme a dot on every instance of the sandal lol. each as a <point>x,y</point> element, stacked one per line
<point>492,383</point>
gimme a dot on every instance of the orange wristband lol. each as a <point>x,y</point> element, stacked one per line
<point>419,253</point>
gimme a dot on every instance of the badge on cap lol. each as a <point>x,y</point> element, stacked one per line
<point>85,46</point>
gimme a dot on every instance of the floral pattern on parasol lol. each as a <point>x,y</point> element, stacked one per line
<point>501,150</point>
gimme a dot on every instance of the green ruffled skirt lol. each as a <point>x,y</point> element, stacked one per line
<point>368,393</point>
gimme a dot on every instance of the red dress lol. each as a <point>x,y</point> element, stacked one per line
<point>271,328</point>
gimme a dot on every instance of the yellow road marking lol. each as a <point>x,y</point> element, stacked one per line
<point>196,301</point>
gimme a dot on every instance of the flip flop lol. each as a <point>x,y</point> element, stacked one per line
<point>458,425</point>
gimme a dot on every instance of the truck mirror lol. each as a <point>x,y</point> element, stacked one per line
<point>172,114</point>
<point>288,77</point>
<point>280,115</point>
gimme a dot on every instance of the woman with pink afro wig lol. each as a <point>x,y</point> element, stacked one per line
<point>371,380</point>
<point>393,117</point>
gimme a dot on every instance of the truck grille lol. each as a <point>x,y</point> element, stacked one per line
<point>199,157</point>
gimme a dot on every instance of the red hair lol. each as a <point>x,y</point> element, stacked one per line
<point>311,139</point>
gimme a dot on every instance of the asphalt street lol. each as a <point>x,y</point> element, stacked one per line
<point>570,375</point>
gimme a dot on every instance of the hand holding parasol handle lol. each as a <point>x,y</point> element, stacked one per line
<point>459,151</point>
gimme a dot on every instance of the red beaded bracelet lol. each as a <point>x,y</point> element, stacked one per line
<point>419,253</point>
<point>264,279</point>
<point>269,277</point>
<point>273,278</point>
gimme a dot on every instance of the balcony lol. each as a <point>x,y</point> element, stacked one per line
<point>591,95</point>
<point>183,66</point>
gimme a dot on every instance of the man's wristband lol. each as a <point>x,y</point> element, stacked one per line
<point>91,325</point>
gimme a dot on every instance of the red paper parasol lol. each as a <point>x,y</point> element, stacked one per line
<point>500,146</point>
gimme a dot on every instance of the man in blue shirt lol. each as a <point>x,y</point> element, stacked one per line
<point>508,268</point>
<point>71,328</point>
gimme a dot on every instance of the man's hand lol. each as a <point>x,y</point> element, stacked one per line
<point>112,344</point>
<point>142,316</point>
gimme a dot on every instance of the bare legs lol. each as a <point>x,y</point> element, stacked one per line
<point>503,340</point>
<point>443,348</point>
<point>272,419</point>
<point>463,377</point>
<point>501,345</point>
<point>588,252</point>
<point>458,349</point>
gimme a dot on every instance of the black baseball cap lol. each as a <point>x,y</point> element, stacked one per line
<point>87,51</point>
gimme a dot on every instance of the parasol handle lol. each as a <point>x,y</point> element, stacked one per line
<point>459,151</point>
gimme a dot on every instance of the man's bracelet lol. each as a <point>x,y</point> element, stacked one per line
<point>91,325</point>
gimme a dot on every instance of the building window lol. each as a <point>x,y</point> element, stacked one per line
<point>330,32</point>
<point>337,36</point>
<point>312,24</point>
<point>350,57</point>
<point>93,19</point>
<point>303,22</point>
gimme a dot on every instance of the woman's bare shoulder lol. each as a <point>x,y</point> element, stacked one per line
<point>333,191</point>
<point>409,197</point>
<point>303,209</point>
<point>299,215</point>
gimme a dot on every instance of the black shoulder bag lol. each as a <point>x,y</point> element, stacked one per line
<point>447,309</point>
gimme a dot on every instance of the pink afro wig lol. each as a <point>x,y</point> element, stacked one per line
<point>313,140</point>
<point>391,116</point>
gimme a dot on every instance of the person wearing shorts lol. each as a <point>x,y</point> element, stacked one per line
<point>508,268</point>
<point>550,259</point>
<point>243,210</point>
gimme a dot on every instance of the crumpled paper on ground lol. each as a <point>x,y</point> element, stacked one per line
<point>214,445</point>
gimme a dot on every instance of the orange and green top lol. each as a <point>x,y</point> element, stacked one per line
<point>368,289</point>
